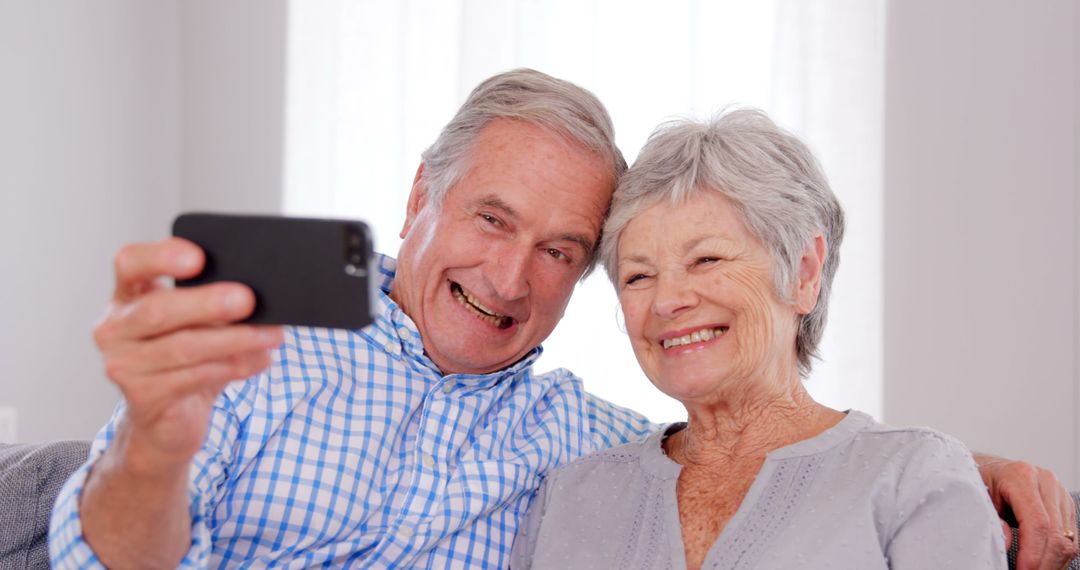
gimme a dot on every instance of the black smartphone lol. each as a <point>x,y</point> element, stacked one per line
<point>304,271</point>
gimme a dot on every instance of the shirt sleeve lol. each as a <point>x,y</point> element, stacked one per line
<point>67,545</point>
<point>944,515</point>
<point>612,425</point>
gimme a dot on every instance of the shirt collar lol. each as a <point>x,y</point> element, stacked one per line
<point>396,332</point>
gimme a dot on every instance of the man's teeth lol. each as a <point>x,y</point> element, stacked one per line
<point>476,303</point>
<point>470,302</point>
<point>696,336</point>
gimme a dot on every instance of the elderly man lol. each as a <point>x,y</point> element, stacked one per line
<point>414,442</point>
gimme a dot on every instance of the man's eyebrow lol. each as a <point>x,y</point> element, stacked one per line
<point>585,242</point>
<point>499,204</point>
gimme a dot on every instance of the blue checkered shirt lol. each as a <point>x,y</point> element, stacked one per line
<point>353,450</point>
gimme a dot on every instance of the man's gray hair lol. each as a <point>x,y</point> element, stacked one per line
<point>769,175</point>
<point>526,95</point>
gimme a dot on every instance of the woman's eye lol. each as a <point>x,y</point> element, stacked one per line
<point>636,278</point>
<point>706,259</point>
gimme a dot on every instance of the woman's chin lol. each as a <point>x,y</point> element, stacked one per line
<point>693,388</point>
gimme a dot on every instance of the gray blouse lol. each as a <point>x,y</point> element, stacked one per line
<point>859,495</point>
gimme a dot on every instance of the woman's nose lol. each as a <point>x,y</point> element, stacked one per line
<point>673,296</point>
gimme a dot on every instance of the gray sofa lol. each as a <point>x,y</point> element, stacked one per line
<point>31,476</point>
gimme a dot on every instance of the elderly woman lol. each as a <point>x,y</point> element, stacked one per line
<point>722,244</point>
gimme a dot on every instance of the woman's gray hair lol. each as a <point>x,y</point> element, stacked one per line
<point>770,176</point>
<point>526,95</point>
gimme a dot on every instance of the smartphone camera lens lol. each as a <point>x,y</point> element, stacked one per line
<point>355,252</point>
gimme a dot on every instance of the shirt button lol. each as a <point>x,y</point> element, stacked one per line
<point>389,346</point>
<point>447,387</point>
<point>429,461</point>
<point>405,532</point>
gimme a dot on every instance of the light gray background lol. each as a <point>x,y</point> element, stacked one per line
<point>115,115</point>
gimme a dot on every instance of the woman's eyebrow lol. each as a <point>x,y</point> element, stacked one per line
<point>634,259</point>
<point>709,240</point>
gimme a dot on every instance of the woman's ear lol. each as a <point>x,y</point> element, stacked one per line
<point>809,284</point>
<point>418,197</point>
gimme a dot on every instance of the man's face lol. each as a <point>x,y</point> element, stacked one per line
<point>487,274</point>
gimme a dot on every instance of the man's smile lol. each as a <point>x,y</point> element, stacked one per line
<point>470,302</point>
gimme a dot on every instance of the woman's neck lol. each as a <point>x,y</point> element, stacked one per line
<point>749,424</point>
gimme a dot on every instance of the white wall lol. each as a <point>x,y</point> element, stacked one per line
<point>116,115</point>
<point>233,104</point>
<point>981,294</point>
<point>88,111</point>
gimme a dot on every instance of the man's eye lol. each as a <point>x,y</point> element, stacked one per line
<point>557,254</point>
<point>491,219</point>
<point>706,259</point>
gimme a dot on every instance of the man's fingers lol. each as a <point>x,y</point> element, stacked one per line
<point>216,374</point>
<point>1019,487</point>
<point>158,391</point>
<point>139,265</point>
<point>1060,548</point>
<point>1034,540</point>
<point>167,310</point>
<point>189,347</point>
<point>1068,508</point>
<point>1035,497</point>
<point>1063,543</point>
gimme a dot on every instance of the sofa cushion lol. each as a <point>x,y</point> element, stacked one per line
<point>30,478</point>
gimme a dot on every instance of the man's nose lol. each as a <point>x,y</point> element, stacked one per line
<point>509,273</point>
<point>673,296</point>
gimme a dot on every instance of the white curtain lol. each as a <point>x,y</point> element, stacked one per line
<point>370,84</point>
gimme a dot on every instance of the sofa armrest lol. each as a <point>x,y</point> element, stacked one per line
<point>30,478</point>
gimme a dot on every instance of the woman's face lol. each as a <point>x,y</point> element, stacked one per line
<point>697,291</point>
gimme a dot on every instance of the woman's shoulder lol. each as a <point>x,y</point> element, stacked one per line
<point>911,458</point>
<point>910,441</point>
<point>644,456</point>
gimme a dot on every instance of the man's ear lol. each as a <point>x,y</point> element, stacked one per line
<point>418,198</point>
<point>809,284</point>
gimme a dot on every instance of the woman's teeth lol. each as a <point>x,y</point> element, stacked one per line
<point>696,336</point>
<point>470,302</point>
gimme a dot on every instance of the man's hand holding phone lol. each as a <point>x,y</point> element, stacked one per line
<point>171,351</point>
